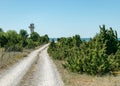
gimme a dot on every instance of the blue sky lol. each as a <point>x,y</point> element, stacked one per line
<point>60,18</point>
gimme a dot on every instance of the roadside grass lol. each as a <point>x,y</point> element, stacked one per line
<point>74,79</point>
<point>9,58</point>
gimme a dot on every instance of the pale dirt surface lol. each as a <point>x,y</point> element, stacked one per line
<point>42,73</point>
<point>14,74</point>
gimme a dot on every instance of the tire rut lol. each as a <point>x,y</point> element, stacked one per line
<point>42,73</point>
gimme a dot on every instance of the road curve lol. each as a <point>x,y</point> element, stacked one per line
<point>44,73</point>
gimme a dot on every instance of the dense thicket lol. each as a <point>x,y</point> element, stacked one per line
<point>13,41</point>
<point>98,56</point>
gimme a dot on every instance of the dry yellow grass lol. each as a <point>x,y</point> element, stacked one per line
<point>9,58</point>
<point>74,79</point>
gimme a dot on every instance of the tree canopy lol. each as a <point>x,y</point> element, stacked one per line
<point>11,40</point>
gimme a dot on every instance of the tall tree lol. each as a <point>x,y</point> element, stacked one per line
<point>1,30</point>
<point>110,38</point>
<point>13,37</point>
<point>3,39</point>
<point>23,33</point>
<point>34,36</point>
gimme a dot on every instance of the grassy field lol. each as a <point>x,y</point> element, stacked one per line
<point>9,58</point>
<point>74,79</point>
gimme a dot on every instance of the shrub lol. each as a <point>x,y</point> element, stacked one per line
<point>99,56</point>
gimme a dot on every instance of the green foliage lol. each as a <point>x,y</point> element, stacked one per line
<point>34,36</point>
<point>12,41</point>
<point>3,39</point>
<point>30,43</point>
<point>24,35</point>
<point>44,39</point>
<point>108,37</point>
<point>12,37</point>
<point>99,56</point>
<point>63,46</point>
<point>16,47</point>
<point>1,30</point>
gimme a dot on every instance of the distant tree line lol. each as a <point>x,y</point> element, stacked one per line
<point>99,56</point>
<point>13,41</point>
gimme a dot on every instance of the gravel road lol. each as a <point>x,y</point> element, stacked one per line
<point>14,74</point>
<point>42,73</point>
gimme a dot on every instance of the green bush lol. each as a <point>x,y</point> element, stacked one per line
<point>16,47</point>
<point>99,56</point>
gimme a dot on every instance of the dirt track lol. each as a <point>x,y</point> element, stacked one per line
<point>42,73</point>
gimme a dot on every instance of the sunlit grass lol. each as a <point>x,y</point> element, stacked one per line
<point>74,79</point>
<point>9,58</point>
